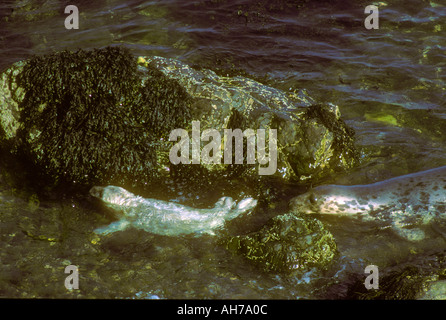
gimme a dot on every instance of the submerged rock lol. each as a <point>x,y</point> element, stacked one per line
<point>287,243</point>
<point>421,278</point>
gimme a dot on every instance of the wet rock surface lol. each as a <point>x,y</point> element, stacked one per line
<point>311,138</point>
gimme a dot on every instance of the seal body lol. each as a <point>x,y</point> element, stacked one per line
<point>166,218</point>
<point>411,199</point>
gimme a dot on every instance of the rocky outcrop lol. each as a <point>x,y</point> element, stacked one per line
<point>103,117</point>
<point>311,138</point>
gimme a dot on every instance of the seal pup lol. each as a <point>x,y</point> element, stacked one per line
<point>163,217</point>
<point>403,202</point>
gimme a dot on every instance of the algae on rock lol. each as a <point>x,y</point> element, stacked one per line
<point>287,243</point>
<point>85,117</point>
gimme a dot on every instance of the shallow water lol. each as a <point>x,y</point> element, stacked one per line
<point>389,84</point>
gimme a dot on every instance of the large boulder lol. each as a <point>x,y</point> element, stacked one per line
<point>105,117</point>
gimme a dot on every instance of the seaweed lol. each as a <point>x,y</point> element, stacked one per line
<point>163,103</point>
<point>87,117</point>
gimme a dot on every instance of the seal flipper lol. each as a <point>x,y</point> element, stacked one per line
<point>242,207</point>
<point>224,202</point>
<point>119,225</point>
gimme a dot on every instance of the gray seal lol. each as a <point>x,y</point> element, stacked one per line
<point>412,199</point>
<point>166,218</point>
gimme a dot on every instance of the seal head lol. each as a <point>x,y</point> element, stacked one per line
<point>404,203</point>
<point>331,199</point>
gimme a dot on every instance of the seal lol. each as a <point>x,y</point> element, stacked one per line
<point>404,201</point>
<point>163,217</point>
